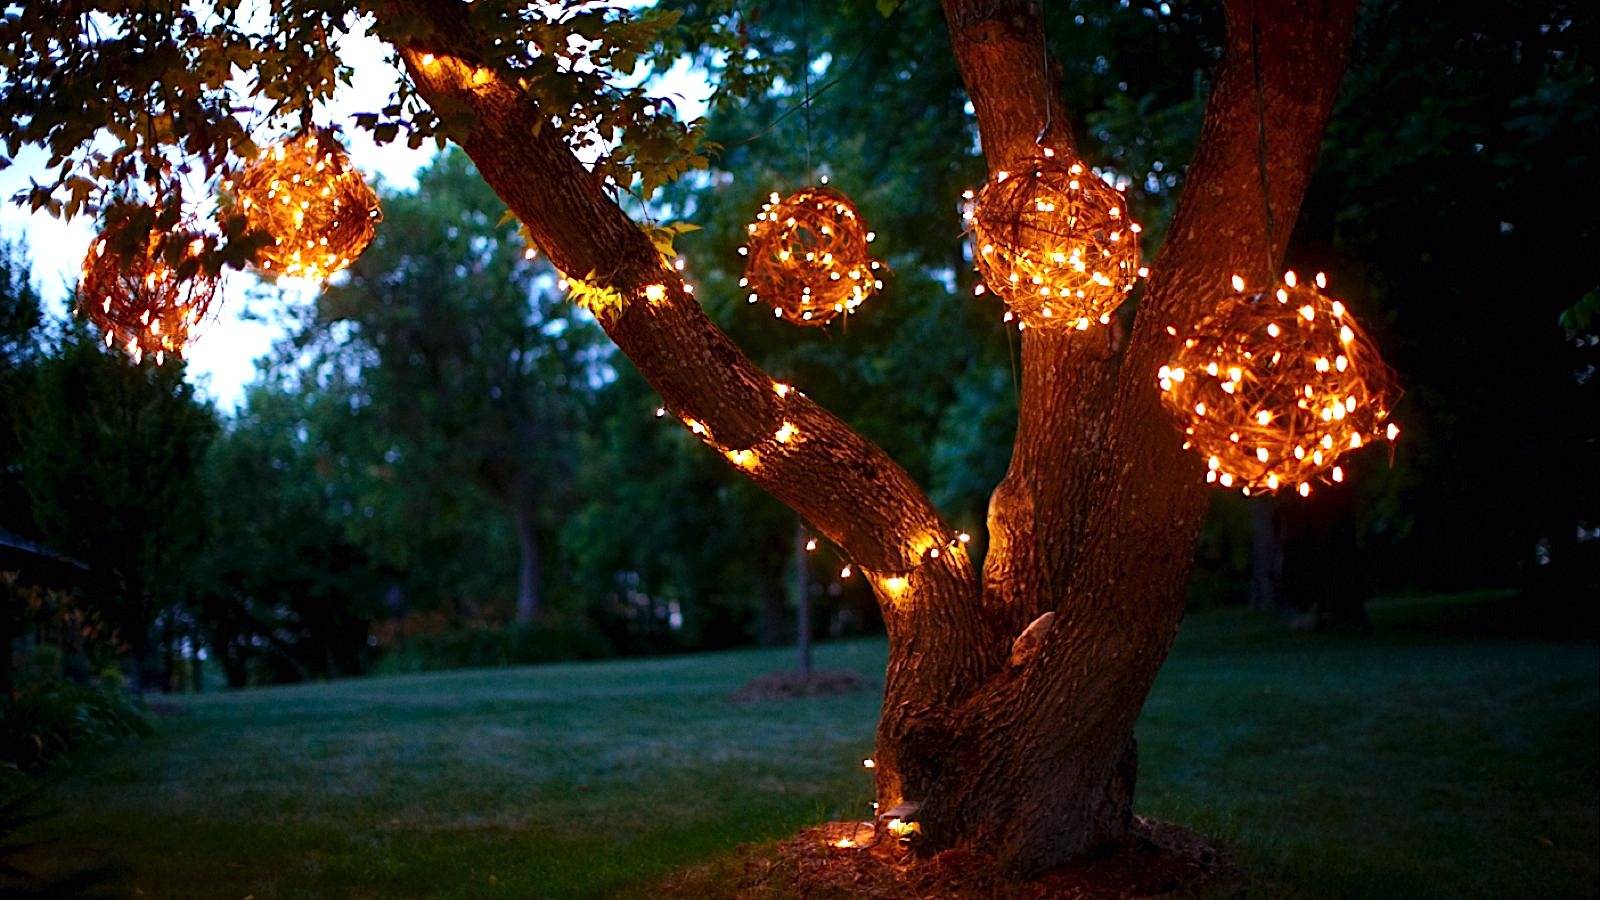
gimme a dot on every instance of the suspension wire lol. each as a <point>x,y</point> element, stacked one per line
<point>1044,74</point>
<point>805,74</point>
<point>1261,137</point>
<point>873,40</point>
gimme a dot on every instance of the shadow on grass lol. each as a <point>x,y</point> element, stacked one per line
<point>1534,616</point>
<point>17,880</point>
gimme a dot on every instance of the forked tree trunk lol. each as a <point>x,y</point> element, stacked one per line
<point>1021,748</point>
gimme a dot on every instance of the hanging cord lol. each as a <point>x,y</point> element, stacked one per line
<point>1044,74</point>
<point>805,74</point>
<point>874,40</point>
<point>1261,136</point>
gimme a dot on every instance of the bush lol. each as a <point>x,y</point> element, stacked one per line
<point>47,718</point>
<point>554,639</point>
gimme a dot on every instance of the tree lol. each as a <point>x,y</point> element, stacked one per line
<point>21,347</point>
<point>111,456</point>
<point>287,591</point>
<point>477,373</point>
<point>1091,531</point>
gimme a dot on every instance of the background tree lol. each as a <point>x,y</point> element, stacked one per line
<point>288,592</point>
<point>111,456</point>
<point>476,371</point>
<point>21,347</point>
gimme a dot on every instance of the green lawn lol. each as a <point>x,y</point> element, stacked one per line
<point>1413,761</point>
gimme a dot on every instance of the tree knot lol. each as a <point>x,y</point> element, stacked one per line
<point>1031,638</point>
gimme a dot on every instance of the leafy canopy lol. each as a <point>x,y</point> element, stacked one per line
<point>127,98</point>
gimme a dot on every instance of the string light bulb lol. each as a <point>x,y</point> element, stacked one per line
<point>1055,242</point>
<point>318,210</point>
<point>807,257</point>
<point>134,293</point>
<point>1275,386</point>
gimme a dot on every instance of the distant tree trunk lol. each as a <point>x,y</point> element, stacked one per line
<point>234,667</point>
<point>1266,555</point>
<point>802,600</point>
<point>1022,749</point>
<point>769,618</point>
<point>1323,582</point>
<point>529,599</point>
<point>196,672</point>
<point>227,637</point>
<point>169,657</point>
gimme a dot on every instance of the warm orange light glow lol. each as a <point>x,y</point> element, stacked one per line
<point>135,296</point>
<point>1274,387</point>
<point>807,257</point>
<point>318,210</point>
<point>904,830</point>
<point>1055,243</point>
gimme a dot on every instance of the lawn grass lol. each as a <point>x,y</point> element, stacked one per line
<point>1411,761</point>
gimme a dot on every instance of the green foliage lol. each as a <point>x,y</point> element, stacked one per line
<point>45,719</point>
<point>555,638</point>
<point>473,373</point>
<point>1582,317</point>
<point>410,439</point>
<point>1451,208</point>
<point>588,294</point>
<point>286,591</point>
<point>167,84</point>
<point>21,346</point>
<point>60,689</point>
<point>111,455</point>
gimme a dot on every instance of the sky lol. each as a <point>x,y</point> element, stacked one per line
<point>222,359</point>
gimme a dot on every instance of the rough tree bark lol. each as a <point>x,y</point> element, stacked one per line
<point>1028,756</point>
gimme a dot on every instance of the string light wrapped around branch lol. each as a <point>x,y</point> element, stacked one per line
<point>786,438</point>
<point>318,210</point>
<point>1274,387</point>
<point>808,258</point>
<point>143,288</point>
<point>1055,242</point>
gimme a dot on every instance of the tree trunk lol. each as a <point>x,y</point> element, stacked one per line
<point>769,618</point>
<point>1324,587</point>
<point>1009,701</point>
<point>1266,555</point>
<point>802,601</point>
<point>529,599</point>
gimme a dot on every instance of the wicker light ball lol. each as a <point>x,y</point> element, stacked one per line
<point>318,210</point>
<point>1274,387</point>
<point>1055,242</point>
<point>807,257</point>
<point>134,294</point>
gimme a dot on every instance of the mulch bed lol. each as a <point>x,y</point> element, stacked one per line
<point>1157,860</point>
<point>791,685</point>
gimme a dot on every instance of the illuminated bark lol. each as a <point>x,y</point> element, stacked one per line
<point>1029,756</point>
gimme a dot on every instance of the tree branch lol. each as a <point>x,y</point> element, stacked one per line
<point>844,485</point>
